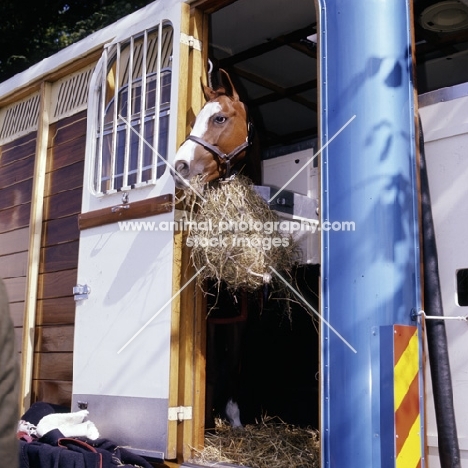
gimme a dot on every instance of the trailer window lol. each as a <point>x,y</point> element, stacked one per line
<point>133,105</point>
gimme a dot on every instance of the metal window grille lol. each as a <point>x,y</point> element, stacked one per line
<point>133,108</point>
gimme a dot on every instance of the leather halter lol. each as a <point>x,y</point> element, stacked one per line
<point>223,157</point>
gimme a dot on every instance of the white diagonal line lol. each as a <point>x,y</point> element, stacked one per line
<point>161,309</point>
<point>186,182</point>
<point>313,157</point>
<point>299,295</point>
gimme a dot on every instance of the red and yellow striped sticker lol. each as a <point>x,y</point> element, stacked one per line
<point>406,381</point>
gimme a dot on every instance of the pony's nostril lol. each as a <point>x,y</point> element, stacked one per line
<point>182,168</point>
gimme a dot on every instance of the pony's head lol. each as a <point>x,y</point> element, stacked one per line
<point>219,138</point>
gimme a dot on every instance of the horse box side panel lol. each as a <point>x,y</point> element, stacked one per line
<point>53,353</point>
<point>445,126</point>
<point>16,170</point>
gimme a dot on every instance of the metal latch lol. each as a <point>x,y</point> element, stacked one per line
<point>180,413</point>
<point>82,405</point>
<point>190,41</point>
<point>81,291</point>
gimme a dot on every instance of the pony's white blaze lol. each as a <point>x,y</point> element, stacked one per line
<point>187,151</point>
<point>201,122</point>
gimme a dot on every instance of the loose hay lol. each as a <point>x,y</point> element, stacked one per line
<point>270,444</point>
<point>236,237</point>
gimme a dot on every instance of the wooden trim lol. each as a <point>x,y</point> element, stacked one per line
<point>35,233</point>
<point>192,310</point>
<point>210,6</point>
<point>171,449</point>
<point>172,432</point>
<point>187,385</point>
<point>136,210</point>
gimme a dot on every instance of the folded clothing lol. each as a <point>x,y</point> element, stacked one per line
<point>44,445</point>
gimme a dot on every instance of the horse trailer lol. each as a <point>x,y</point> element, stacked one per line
<point>361,124</point>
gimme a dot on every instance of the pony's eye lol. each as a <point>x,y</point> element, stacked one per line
<point>220,119</point>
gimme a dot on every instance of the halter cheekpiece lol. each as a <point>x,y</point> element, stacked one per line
<point>223,157</point>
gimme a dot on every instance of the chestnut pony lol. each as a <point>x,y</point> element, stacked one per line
<point>219,139</point>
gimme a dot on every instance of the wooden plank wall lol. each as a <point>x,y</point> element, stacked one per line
<point>16,179</point>
<point>53,351</point>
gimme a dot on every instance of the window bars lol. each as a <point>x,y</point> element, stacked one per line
<point>133,108</point>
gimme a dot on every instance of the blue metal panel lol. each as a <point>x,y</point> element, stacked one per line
<point>370,275</point>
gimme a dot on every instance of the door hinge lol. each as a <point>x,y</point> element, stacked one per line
<point>81,291</point>
<point>190,41</point>
<point>180,413</point>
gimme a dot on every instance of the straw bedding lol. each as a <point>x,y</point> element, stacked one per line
<point>269,444</point>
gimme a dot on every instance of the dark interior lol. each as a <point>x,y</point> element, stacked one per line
<point>273,62</point>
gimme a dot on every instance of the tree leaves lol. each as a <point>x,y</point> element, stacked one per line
<point>31,31</point>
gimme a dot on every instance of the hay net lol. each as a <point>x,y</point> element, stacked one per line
<point>235,237</point>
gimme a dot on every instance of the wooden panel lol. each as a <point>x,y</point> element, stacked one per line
<point>15,241</point>
<point>68,153</point>
<point>60,230</point>
<point>15,289</point>
<point>210,6</point>
<point>59,257</point>
<point>57,392</point>
<point>54,339</point>
<point>53,366</point>
<point>15,218</point>
<point>16,194</point>
<point>17,312</point>
<point>68,129</point>
<point>56,311</point>
<point>59,284</point>
<point>136,210</point>
<point>19,149</point>
<point>17,171</point>
<point>12,266</point>
<point>62,204</point>
<point>65,178</point>
<point>55,308</point>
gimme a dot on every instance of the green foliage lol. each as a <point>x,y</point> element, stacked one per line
<point>32,30</point>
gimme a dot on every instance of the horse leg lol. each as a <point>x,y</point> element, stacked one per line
<point>233,413</point>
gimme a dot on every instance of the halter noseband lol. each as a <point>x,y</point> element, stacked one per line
<point>223,157</point>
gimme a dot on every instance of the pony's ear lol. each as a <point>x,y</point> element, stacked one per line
<point>229,88</point>
<point>208,92</point>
